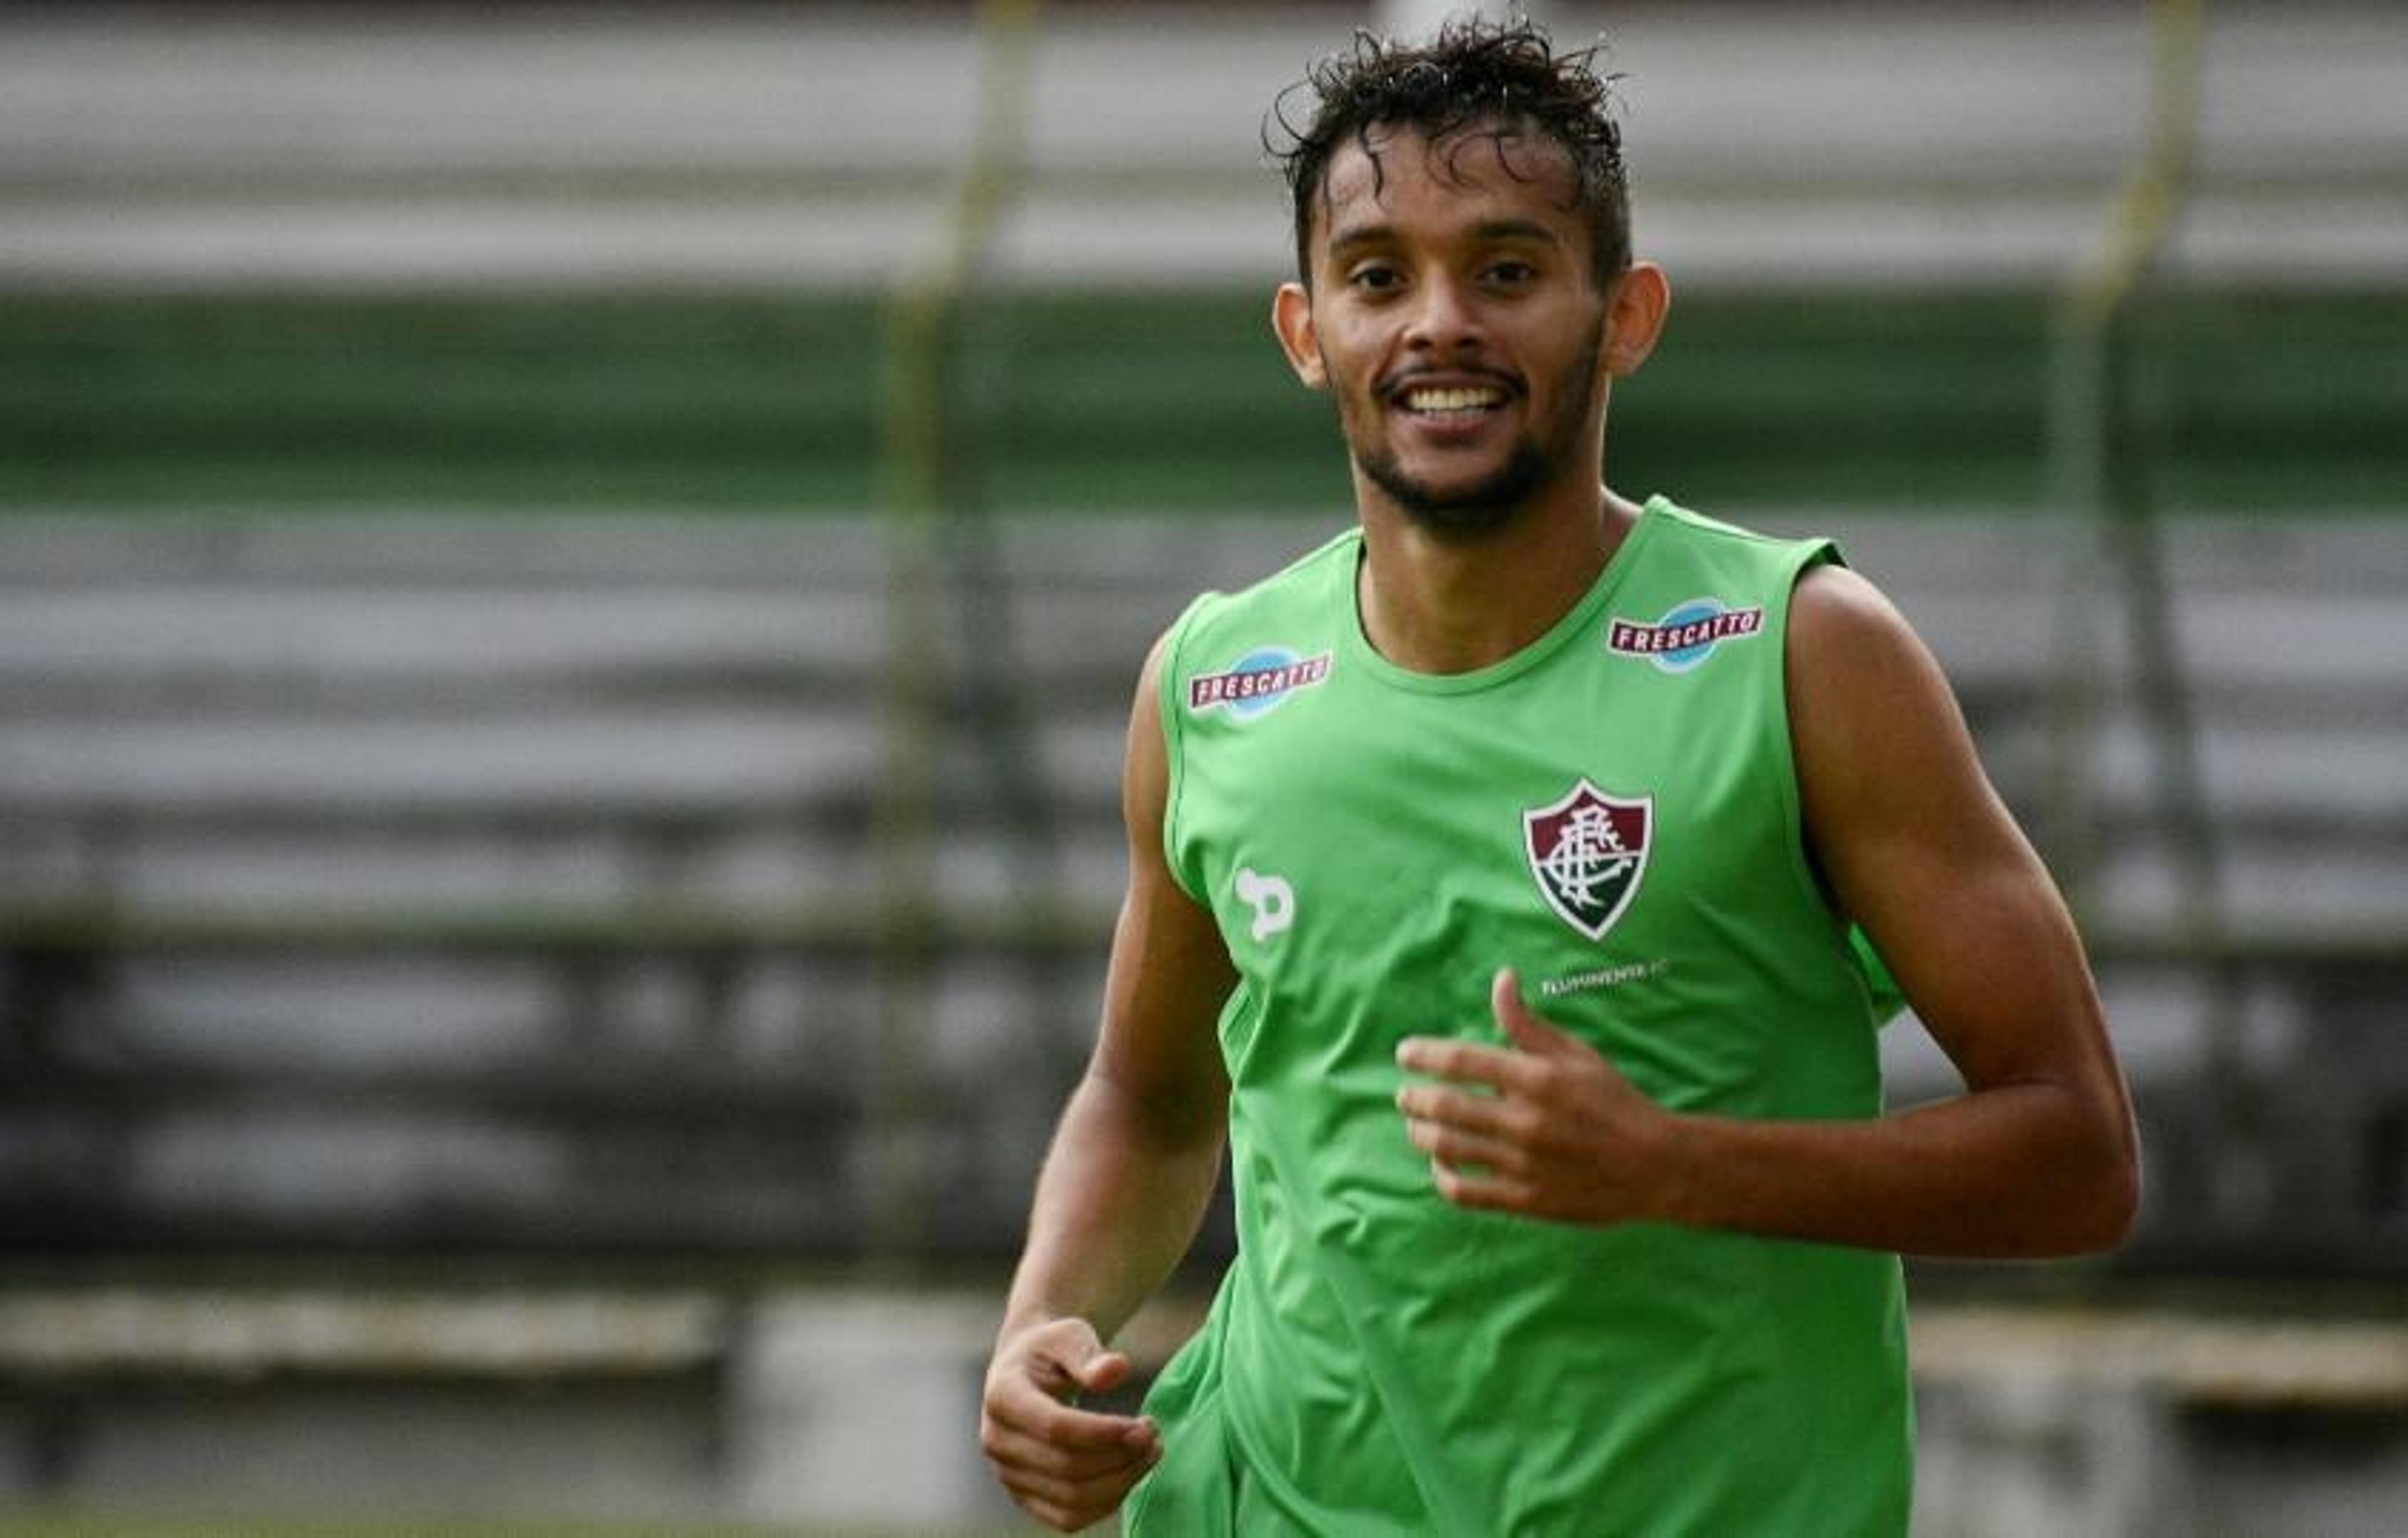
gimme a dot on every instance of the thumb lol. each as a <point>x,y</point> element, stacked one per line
<point>1523,1029</point>
<point>1083,1356</point>
<point>1070,1358</point>
<point>1101,1370</point>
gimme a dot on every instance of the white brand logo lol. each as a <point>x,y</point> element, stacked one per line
<point>1272,900</point>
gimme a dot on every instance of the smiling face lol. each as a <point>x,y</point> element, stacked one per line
<point>1454,315</point>
<point>1455,319</point>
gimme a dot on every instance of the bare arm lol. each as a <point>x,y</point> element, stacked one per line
<point>1125,1184</point>
<point>2037,1157</point>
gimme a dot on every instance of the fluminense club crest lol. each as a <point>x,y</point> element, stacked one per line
<point>1588,852</point>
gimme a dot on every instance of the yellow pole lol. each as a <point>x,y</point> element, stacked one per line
<point>918,431</point>
<point>2084,405</point>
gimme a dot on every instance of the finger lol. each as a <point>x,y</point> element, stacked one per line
<point>1101,1371</point>
<point>1001,1434</point>
<point>1048,1420</point>
<point>1057,1350</point>
<point>1070,1506</point>
<point>1453,1149</point>
<point>1467,1062</point>
<point>1007,1448</point>
<point>1091,1492</point>
<point>1026,1485</point>
<point>1523,1029</point>
<point>1078,1431</point>
<point>1097,1493</point>
<point>1484,1193</point>
<point>1054,1515</point>
<point>1490,1114</point>
<point>1032,1387</point>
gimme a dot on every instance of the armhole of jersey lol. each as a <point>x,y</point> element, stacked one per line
<point>1796,562</point>
<point>1884,999</point>
<point>1174,719</point>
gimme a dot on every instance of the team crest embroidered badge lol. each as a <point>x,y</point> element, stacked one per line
<point>1587,853</point>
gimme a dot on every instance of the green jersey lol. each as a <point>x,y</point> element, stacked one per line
<point>1611,811</point>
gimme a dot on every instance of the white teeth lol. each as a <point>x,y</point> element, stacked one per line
<point>1452,399</point>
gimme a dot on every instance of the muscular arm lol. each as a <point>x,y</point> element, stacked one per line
<point>1139,1148</point>
<point>2036,1157</point>
<point>1127,1182</point>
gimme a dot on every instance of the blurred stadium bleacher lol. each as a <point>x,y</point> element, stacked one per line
<point>497,779</point>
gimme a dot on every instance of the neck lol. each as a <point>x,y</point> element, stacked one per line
<point>1435,604</point>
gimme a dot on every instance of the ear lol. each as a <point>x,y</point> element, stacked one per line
<point>1635,316</point>
<point>1291,319</point>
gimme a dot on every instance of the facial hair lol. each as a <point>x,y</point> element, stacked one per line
<point>1491,503</point>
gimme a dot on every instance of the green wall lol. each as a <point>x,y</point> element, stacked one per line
<point>1088,401</point>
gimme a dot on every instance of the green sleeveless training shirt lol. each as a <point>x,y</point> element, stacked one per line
<point>1611,811</point>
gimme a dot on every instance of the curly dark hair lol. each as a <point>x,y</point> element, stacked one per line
<point>1494,79</point>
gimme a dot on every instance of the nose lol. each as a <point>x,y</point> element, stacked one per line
<point>1445,317</point>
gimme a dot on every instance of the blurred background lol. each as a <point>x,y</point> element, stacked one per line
<point>570,579</point>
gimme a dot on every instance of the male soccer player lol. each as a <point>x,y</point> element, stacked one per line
<point>1497,871</point>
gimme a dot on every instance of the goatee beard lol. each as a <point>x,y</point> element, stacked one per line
<point>1481,508</point>
<point>1467,511</point>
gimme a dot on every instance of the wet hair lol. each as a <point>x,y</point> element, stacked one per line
<point>1476,79</point>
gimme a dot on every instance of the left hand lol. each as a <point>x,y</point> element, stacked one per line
<point>1544,1127</point>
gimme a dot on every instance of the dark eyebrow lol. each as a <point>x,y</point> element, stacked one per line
<point>1489,231</point>
<point>1361,235</point>
<point>1517,229</point>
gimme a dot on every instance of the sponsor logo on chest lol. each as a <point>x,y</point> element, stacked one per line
<point>1687,634</point>
<point>1257,682</point>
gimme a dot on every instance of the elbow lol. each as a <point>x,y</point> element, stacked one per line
<point>2116,1207</point>
<point>2130,1185</point>
<point>2081,1188</point>
<point>2110,1186</point>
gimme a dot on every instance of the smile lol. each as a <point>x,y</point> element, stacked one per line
<point>1452,400</point>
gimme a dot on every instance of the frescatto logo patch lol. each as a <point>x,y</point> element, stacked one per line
<point>1256,681</point>
<point>1687,634</point>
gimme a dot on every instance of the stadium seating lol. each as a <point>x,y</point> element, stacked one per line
<point>536,874</point>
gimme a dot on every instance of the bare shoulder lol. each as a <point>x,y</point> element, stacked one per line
<point>1145,765</point>
<point>1169,971</point>
<point>1855,663</point>
<point>1836,613</point>
<point>1879,738</point>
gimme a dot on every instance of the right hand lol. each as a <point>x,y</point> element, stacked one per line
<point>1065,1466</point>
